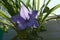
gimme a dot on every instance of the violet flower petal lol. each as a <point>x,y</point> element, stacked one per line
<point>33,13</point>
<point>21,26</point>
<point>25,18</point>
<point>18,18</point>
<point>20,22</point>
<point>24,13</point>
<point>33,23</point>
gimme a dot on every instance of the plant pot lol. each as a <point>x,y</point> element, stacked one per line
<point>1,33</point>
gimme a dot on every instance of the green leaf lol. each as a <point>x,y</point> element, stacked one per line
<point>17,5</point>
<point>2,14</point>
<point>5,28</point>
<point>50,11</point>
<point>38,5</point>
<point>26,6</point>
<point>34,4</point>
<point>9,7</point>
<point>53,17</point>
<point>27,2</point>
<point>41,10</point>
<point>48,2</point>
<point>30,7</point>
<point>5,23</point>
<point>1,26</point>
<point>46,9</point>
<point>2,4</point>
<point>54,8</point>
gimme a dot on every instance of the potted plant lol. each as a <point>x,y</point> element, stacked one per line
<point>25,19</point>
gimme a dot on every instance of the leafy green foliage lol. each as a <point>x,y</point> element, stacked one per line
<point>27,3</point>
<point>2,14</point>
<point>12,7</point>
<point>9,7</point>
<point>38,5</point>
<point>50,11</point>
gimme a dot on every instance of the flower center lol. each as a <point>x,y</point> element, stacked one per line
<point>26,20</point>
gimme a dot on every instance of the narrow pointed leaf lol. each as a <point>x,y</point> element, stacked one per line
<point>38,5</point>
<point>9,7</point>
<point>1,21</point>
<point>6,23</point>
<point>2,4</point>
<point>34,4</point>
<point>27,2</point>
<point>26,6</point>
<point>48,2</point>
<point>2,14</point>
<point>30,7</point>
<point>50,11</point>
<point>55,17</point>
<point>41,10</point>
<point>54,8</point>
<point>46,9</point>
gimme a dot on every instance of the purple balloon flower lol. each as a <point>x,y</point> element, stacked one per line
<point>26,18</point>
